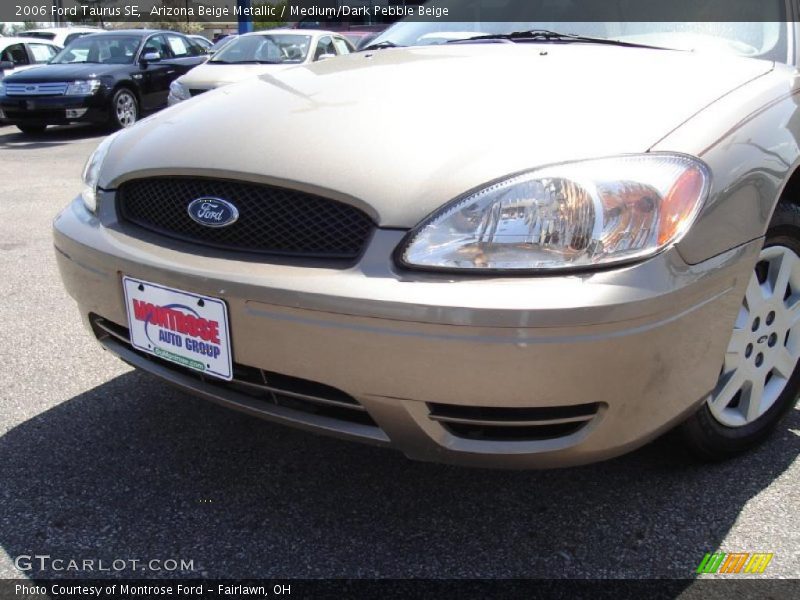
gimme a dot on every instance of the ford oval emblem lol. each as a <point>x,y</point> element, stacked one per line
<point>212,212</point>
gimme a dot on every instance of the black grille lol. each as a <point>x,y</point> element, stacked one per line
<point>272,220</point>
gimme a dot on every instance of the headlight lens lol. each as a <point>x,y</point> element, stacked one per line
<point>91,172</point>
<point>178,91</point>
<point>573,215</point>
<point>83,88</point>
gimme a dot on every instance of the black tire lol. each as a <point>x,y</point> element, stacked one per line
<point>122,118</point>
<point>705,436</point>
<point>32,129</point>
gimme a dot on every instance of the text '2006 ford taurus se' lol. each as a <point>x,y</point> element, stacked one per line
<point>565,247</point>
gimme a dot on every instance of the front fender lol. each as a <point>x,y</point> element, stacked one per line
<point>750,139</point>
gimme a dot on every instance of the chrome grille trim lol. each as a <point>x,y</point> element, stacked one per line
<point>507,423</point>
<point>492,423</point>
<point>39,89</point>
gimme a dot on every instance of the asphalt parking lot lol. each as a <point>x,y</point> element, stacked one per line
<point>100,462</point>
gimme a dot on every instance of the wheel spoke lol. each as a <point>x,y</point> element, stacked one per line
<point>792,315</point>
<point>755,395</point>
<point>732,361</point>
<point>738,341</point>
<point>785,363</point>
<point>780,280</point>
<point>725,392</point>
<point>754,296</point>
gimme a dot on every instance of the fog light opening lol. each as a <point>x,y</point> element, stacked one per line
<point>76,113</point>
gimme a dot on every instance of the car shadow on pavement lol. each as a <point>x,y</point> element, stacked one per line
<point>133,469</point>
<point>13,138</point>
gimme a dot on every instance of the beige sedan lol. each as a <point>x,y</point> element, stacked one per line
<point>525,249</point>
<point>258,53</point>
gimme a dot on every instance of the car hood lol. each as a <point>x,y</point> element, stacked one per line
<point>402,131</point>
<point>208,76</point>
<point>18,69</point>
<point>64,72</point>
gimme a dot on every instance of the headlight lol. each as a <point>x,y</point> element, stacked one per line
<point>83,88</point>
<point>573,215</point>
<point>91,172</point>
<point>178,91</point>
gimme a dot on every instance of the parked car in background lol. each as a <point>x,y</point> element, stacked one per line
<point>359,30</point>
<point>562,247</point>
<point>18,54</point>
<point>104,78</point>
<point>362,41</point>
<point>221,42</point>
<point>256,53</point>
<point>203,41</point>
<point>359,38</point>
<point>60,36</point>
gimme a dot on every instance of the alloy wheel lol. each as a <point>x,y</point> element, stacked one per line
<point>126,109</point>
<point>765,345</point>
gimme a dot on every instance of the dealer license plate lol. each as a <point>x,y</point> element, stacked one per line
<point>185,328</point>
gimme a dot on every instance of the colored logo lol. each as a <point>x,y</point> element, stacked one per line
<point>735,562</point>
<point>212,212</point>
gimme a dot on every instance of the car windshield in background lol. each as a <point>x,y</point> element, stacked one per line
<point>265,49</point>
<point>754,39</point>
<point>104,49</point>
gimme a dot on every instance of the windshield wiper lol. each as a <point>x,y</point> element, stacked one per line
<point>545,35</point>
<point>381,46</point>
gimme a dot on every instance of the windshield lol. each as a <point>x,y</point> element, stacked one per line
<point>105,49</point>
<point>217,46</point>
<point>268,49</point>
<point>755,39</point>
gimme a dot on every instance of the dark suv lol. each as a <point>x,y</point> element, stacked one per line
<point>108,78</point>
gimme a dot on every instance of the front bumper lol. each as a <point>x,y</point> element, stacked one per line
<point>513,372</point>
<point>52,110</point>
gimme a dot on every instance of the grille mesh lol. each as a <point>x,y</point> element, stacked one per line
<point>272,220</point>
